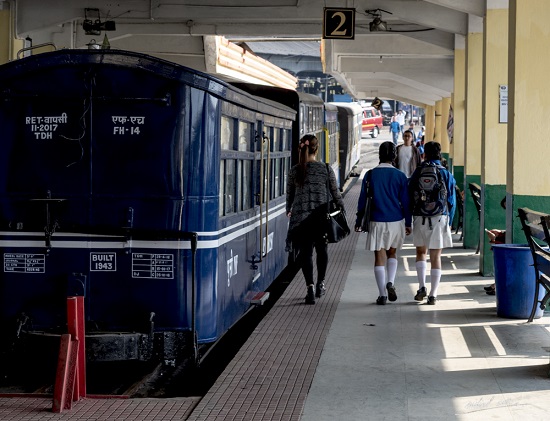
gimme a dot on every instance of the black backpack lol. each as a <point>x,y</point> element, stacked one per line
<point>430,192</point>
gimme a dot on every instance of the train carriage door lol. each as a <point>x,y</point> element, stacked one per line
<point>238,203</point>
<point>264,186</point>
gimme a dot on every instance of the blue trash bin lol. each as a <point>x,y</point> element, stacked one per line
<point>515,281</point>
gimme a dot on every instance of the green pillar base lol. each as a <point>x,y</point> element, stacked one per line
<point>493,217</point>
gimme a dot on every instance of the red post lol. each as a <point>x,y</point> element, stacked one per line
<point>65,375</point>
<point>75,325</point>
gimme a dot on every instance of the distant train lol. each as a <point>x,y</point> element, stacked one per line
<point>337,125</point>
<point>155,191</point>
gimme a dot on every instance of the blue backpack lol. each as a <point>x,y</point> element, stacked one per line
<point>430,192</point>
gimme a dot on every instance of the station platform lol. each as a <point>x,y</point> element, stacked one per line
<point>346,358</point>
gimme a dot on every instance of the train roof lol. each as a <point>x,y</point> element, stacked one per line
<point>310,99</point>
<point>36,64</point>
<point>349,107</point>
<point>331,107</point>
<point>288,97</point>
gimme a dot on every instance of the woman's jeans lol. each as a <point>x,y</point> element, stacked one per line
<point>306,246</point>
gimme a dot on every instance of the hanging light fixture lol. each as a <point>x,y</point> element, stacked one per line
<point>378,25</point>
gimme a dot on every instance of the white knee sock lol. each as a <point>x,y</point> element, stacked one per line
<point>380,276</point>
<point>392,269</point>
<point>421,273</point>
<point>435,275</point>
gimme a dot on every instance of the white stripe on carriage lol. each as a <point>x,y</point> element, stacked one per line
<point>244,222</point>
<point>164,244</point>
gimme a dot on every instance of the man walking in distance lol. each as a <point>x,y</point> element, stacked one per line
<point>432,194</point>
<point>395,129</point>
<point>401,120</point>
<point>408,155</point>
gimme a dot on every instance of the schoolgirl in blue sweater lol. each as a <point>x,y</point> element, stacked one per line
<point>390,218</point>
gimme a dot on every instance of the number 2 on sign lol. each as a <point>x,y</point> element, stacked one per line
<point>342,17</point>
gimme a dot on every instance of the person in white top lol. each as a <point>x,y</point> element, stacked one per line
<point>401,119</point>
<point>408,155</point>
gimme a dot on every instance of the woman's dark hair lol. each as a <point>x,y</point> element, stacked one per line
<point>387,152</point>
<point>308,146</point>
<point>432,151</point>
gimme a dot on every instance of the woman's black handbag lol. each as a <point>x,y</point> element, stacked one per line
<point>336,224</point>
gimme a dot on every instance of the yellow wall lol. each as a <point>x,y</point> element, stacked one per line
<point>529,98</point>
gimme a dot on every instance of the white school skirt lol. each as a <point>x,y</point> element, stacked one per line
<point>385,235</point>
<point>438,237</point>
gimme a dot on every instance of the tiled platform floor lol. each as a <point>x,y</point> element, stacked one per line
<point>346,358</point>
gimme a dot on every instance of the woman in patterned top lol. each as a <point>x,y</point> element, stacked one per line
<point>306,197</point>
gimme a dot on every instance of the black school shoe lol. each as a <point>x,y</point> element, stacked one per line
<point>392,294</point>
<point>381,301</point>
<point>320,289</point>
<point>310,297</point>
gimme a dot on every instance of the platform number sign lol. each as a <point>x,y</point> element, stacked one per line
<point>339,23</point>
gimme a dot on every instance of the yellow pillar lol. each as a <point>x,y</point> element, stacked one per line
<point>494,127</point>
<point>437,124</point>
<point>5,39</point>
<point>472,151</point>
<point>459,100</point>
<point>528,172</point>
<point>444,136</point>
<point>430,123</point>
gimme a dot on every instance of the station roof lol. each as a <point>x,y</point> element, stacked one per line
<point>402,49</point>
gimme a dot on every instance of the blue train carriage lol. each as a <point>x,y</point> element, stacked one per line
<point>350,117</point>
<point>156,191</point>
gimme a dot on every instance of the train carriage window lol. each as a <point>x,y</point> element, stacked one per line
<point>246,184</point>
<point>229,195</point>
<point>318,118</point>
<point>222,188</point>
<point>227,133</point>
<point>227,187</point>
<point>275,143</point>
<point>276,178</point>
<point>268,131</point>
<point>245,136</point>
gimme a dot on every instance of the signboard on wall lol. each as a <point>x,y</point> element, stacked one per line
<point>338,23</point>
<point>503,103</point>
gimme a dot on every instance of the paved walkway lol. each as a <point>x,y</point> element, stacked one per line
<point>409,361</point>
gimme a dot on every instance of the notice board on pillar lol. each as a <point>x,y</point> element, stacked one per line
<point>503,103</point>
<point>339,23</point>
